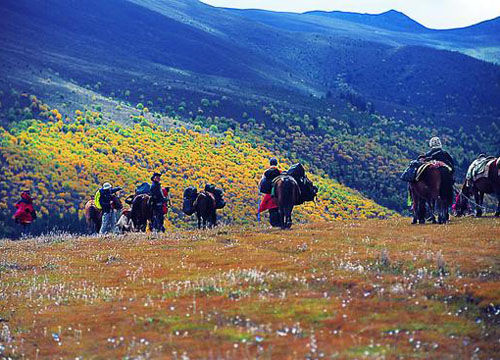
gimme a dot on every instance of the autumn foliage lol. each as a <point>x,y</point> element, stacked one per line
<point>64,161</point>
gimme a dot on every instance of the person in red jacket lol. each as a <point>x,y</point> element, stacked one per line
<point>25,213</point>
<point>268,202</point>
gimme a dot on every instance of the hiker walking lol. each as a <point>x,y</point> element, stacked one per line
<point>157,202</point>
<point>25,213</point>
<point>103,200</point>
<point>266,184</point>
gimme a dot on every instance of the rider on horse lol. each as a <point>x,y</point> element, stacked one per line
<point>437,153</point>
<point>157,202</point>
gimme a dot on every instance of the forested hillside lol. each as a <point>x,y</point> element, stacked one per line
<point>64,159</point>
<point>354,97</point>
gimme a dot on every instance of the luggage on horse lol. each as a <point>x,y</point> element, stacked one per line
<point>219,198</point>
<point>144,188</point>
<point>308,191</point>
<point>218,195</point>
<point>479,168</point>
<point>410,173</point>
<point>190,195</point>
<point>297,171</point>
<point>210,188</point>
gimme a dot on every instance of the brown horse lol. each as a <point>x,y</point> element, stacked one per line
<point>287,193</point>
<point>142,212</point>
<point>204,206</point>
<point>93,216</point>
<point>481,186</point>
<point>434,187</point>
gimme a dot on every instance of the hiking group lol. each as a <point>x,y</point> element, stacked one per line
<point>149,204</point>
<point>431,184</point>
<point>430,187</point>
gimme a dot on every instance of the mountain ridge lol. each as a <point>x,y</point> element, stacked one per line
<point>318,95</point>
<point>391,20</point>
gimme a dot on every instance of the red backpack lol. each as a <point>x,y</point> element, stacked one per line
<point>165,191</point>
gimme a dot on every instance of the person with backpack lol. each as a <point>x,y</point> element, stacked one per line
<point>25,213</point>
<point>266,184</point>
<point>157,202</point>
<point>103,201</point>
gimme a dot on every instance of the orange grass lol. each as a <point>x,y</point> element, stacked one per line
<point>352,289</point>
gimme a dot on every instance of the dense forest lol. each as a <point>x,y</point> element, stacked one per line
<point>64,160</point>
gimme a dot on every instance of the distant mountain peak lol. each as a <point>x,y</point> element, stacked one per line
<point>392,20</point>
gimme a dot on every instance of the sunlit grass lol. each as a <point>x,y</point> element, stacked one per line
<point>353,289</point>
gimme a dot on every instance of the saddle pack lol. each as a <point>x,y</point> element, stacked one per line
<point>479,168</point>
<point>410,173</point>
<point>308,191</point>
<point>431,164</point>
<point>190,195</point>
<point>144,188</point>
<point>218,195</point>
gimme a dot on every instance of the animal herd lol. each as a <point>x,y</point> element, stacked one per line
<point>432,191</point>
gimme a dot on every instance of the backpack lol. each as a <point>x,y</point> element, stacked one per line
<point>265,186</point>
<point>190,195</point>
<point>210,188</point>
<point>219,198</point>
<point>410,172</point>
<point>266,183</point>
<point>297,171</point>
<point>308,191</point>
<point>144,188</point>
<point>97,198</point>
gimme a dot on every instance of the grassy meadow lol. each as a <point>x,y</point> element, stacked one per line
<point>342,289</point>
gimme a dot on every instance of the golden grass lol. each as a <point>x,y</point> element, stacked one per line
<point>353,289</point>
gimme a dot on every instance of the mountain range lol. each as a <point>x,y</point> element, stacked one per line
<point>354,96</point>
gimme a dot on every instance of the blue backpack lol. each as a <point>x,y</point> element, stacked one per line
<point>144,188</point>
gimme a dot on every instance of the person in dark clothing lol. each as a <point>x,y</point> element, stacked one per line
<point>108,214</point>
<point>437,153</point>
<point>157,201</point>
<point>268,202</point>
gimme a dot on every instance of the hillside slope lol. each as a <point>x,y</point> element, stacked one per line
<point>65,161</point>
<point>354,100</point>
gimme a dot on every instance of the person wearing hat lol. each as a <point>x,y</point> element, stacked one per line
<point>105,202</point>
<point>437,153</point>
<point>157,201</point>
